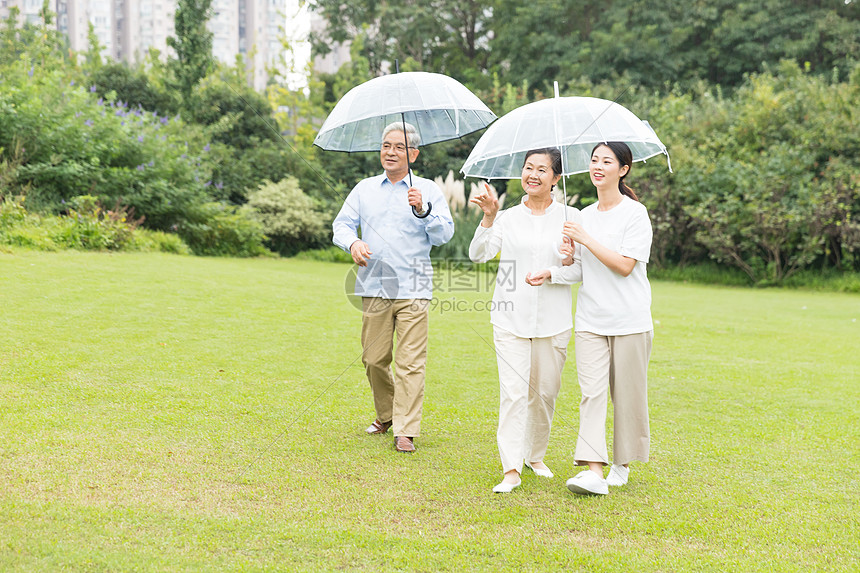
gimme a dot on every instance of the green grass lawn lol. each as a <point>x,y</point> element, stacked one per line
<point>160,412</point>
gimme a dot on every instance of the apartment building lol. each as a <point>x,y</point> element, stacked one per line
<point>337,56</point>
<point>129,28</point>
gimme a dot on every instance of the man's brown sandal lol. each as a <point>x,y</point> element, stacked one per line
<point>378,427</point>
<point>404,444</point>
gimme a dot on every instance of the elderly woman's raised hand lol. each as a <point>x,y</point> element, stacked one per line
<point>488,201</point>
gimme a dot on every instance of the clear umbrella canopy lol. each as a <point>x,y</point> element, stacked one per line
<point>572,124</point>
<point>440,108</point>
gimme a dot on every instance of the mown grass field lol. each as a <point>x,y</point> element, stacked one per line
<point>161,413</point>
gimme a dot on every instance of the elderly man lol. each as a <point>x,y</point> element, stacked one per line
<point>395,278</point>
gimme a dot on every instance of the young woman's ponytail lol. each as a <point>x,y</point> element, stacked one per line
<point>625,190</point>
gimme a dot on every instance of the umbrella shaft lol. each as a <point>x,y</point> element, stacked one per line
<point>406,143</point>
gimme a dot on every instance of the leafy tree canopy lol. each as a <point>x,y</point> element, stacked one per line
<point>652,43</point>
<point>192,44</point>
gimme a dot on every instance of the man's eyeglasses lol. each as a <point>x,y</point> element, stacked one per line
<point>398,147</point>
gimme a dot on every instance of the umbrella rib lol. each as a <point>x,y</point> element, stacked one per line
<point>594,121</point>
<point>418,108</point>
<point>452,104</point>
<point>597,125</point>
<point>352,139</point>
<point>513,140</point>
<point>447,112</point>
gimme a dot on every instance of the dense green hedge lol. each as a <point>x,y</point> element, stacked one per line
<point>103,130</point>
<point>86,227</point>
<point>766,182</point>
<point>766,179</point>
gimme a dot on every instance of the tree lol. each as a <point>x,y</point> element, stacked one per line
<point>818,33</point>
<point>444,36</point>
<point>132,87</point>
<point>538,42</point>
<point>243,116</point>
<point>93,55</point>
<point>192,44</point>
<point>651,43</point>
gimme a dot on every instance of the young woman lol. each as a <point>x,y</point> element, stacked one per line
<point>613,329</point>
<point>531,327</point>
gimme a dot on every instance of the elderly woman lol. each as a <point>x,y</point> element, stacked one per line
<point>531,327</point>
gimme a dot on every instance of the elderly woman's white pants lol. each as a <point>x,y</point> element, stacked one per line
<point>529,380</point>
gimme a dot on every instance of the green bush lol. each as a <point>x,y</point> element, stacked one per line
<point>240,171</point>
<point>133,88</point>
<point>59,140</point>
<point>328,255</point>
<point>158,241</point>
<point>239,116</point>
<point>292,220</point>
<point>74,143</point>
<point>88,226</point>
<point>216,229</point>
<point>457,249</point>
<point>766,181</point>
<point>93,228</point>
<point>21,229</point>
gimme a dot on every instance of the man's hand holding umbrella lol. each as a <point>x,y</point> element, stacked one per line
<point>416,201</point>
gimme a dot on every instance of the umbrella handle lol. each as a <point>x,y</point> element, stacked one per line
<point>427,212</point>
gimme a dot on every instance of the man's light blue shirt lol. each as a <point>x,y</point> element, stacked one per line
<point>399,242</point>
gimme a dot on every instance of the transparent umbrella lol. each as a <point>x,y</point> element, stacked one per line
<point>440,108</point>
<point>574,125</point>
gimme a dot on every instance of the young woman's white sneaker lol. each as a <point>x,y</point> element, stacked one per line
<point>587,482</point>
<point>617,475</point>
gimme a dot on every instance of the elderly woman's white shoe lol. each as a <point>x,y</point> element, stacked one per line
<point>543,472</point>
<point>506,487</point>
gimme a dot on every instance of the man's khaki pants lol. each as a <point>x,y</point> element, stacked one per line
<point>616,365</point>
<point>398,398</point>
<point>529,382</point>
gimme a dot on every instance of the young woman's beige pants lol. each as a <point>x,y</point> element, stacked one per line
<point>616,365</point>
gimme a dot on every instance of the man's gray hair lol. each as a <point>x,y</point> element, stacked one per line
<point>412,135</point>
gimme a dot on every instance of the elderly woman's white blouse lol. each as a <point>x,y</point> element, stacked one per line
<point>528,244</point>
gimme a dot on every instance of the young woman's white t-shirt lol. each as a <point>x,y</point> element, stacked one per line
<point>609,304</point>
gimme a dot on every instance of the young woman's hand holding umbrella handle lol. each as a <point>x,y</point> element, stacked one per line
<point>614,261</point>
